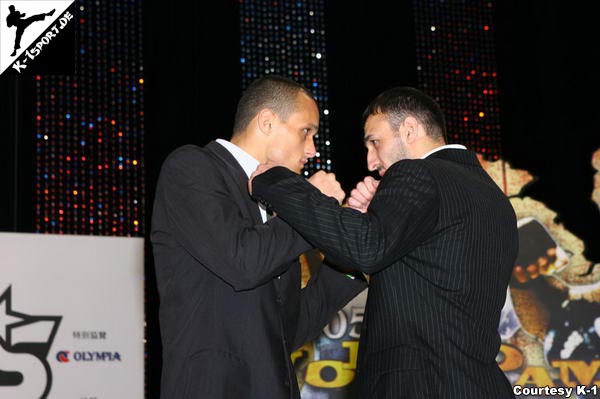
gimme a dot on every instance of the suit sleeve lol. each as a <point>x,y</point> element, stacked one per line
<point>326,292</point>
<point>208,223</point>
<point>402,214</point>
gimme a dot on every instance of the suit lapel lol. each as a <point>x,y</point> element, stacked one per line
<point>236,174</point>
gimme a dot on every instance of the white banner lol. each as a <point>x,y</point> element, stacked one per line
<point>71,317</point>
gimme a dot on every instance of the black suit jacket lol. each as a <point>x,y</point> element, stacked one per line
<point>231,307</point>
<point>439,240</point>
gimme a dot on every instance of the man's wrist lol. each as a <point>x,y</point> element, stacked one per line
<point>268,178</point>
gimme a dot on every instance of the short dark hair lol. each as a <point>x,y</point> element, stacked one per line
<point>401,102</point>
<point>274,92</point>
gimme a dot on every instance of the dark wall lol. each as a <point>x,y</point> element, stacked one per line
<point>371,48</point>
<point>193,82</point>
<point>17,153</point>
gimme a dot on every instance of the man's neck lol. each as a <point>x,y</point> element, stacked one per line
<point>250,146</point>
<point>428,147</point>
<point>443,147</point>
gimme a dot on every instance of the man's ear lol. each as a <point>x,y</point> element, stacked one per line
<point>265,120</point>
<point>412,129</point>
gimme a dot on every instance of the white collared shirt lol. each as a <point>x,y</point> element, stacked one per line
<point>247,162</point>
<point>445,147</point>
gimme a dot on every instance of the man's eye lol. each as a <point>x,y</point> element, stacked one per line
<point>375,142</point>
<point>306,131</point>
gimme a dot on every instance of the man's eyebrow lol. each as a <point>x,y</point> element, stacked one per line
<point>367,137</point>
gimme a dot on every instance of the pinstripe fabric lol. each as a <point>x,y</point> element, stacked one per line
<point>439,240</point>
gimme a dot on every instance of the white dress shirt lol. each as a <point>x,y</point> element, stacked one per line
<point>247,162</point>
<point>444,147</point>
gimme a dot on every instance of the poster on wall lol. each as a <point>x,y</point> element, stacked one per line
<point>549,326</point>
<point>71,317</point>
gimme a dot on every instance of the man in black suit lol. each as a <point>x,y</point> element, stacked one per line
<point>232,309</point>
<point>439,239</point>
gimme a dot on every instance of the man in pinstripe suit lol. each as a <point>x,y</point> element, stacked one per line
<point>439,239</point>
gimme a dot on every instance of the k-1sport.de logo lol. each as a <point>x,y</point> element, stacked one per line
<point>35,36</point>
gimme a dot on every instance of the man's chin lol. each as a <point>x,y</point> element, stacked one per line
<point>295,169</point>
<point>298,168</point>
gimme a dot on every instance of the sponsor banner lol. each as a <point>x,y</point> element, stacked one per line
<point>71,317</point>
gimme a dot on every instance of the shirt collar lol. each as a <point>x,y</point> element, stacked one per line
<point>246,161</point>
<point>445,147</point>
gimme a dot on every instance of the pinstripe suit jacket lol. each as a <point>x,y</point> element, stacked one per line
<point>439,241</point>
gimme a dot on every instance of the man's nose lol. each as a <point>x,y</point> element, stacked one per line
<point>372,160</point>
<point>309,147</point>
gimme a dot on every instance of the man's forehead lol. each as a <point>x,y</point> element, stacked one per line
<point>305,118</point>
<point>373,121</point>
<point>304,100</point>
<point>307,109</point>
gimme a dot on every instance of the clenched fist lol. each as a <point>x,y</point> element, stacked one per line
<point>361,196</point>
<point>328,185</point>
<point>260,169</point>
